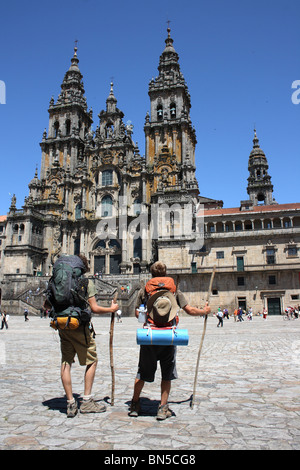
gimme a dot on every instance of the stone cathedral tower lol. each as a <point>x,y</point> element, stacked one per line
<point>260,188</point>
<point>170,156</point>
<point>170,137</point>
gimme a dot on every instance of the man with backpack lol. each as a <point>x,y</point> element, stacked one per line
<point>71,296</point>
<point>163,301</point>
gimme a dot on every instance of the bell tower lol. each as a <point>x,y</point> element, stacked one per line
<point>260,188</point>
<point>170,137</point>
<point>171,189</point>
<point>69,120</point>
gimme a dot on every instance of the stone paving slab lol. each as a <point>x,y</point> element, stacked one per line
<point>247,394</point>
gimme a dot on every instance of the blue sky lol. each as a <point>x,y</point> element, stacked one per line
<point>239,59</point>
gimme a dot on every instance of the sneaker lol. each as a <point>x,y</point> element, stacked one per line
<point>163,412</point>
<point>90,406</point>
<point>72,409</point>
<point>134,408</point>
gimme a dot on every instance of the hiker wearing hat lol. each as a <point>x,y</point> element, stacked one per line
<point>164,301</point>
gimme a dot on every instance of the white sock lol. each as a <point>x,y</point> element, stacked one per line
<point>86,397</point>
<point>71,401</point>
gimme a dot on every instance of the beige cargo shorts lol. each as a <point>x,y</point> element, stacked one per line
<point>80,342</point>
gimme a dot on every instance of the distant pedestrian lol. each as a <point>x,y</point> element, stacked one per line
<point>119,315</point>
<point>220,317</point>
<point>225,313</point>
<point>235,314</point>
<point>265,313</point>
<point>4,319</point>
<point>250,314</point>
<point>240,314</point>
<point>26,314</point>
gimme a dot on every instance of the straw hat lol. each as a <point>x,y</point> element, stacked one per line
<point>162,307</point>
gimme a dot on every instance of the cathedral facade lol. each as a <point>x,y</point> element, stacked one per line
<point>98,196</point>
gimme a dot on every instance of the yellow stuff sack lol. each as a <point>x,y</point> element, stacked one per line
<point>65,323</point>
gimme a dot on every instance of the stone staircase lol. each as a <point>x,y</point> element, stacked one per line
<point>31,295</point>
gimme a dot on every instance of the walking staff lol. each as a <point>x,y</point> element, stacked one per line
<point>111,352</point>
<point>202,338</point>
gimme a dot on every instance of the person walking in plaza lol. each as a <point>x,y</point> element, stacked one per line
<point>4,320</point>
<point>240,314</point>
<point>235,314</point>
<point>26,313</point>
<point>265,313</point>
<point>151,354</point>
<point>81,341</point>
<point>119,315</point>
<point>250,314</point>
<point>220,317</point>
<point>226,313</point>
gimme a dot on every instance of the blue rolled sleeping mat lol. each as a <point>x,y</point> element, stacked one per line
<point>162,337</point>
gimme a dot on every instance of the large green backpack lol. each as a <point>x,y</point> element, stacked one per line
<point>66,293</point>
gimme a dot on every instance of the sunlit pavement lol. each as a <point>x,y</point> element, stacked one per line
<point>247,394</point>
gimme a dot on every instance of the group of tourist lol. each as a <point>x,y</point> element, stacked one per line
<point>292,312</point>
<point>240,314</point>
<point>237,314</point>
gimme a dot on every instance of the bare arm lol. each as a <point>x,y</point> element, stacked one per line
<point>194,311</point>
<point>99,309</point>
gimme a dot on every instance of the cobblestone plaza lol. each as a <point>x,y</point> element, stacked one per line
<point>247,394</point>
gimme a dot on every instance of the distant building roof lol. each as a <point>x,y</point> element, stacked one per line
<point>253,209</point>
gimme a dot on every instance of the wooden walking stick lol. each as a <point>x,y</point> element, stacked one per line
<point>202,338</point>
<point>111,352</point>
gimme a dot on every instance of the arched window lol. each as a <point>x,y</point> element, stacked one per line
<point>173,110</point>
<point>100,244</point>
<point>77,246</point>
<point>113,243</point>
<point>261,197</point>
<point>137,248</point>
<point>159,112</point>
<point>78,211</point>
<point>56,128</point>
<point>107,178</point>
<point>106,206</point>
<point>68,127</point>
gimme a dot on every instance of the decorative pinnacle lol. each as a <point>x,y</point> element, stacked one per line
<point>255,140</point>
<point>168,29</point>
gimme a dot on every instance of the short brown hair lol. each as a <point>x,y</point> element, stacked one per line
<point>158,269</point>
<point>85,262</point>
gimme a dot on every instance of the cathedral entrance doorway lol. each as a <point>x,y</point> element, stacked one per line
<point>99,264</point>
<point>107,257</point>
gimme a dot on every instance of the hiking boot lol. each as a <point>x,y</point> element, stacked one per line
<point>163,412</point>
<point>134,408</point>
<point>72,409</point>
<point>90,406</point>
